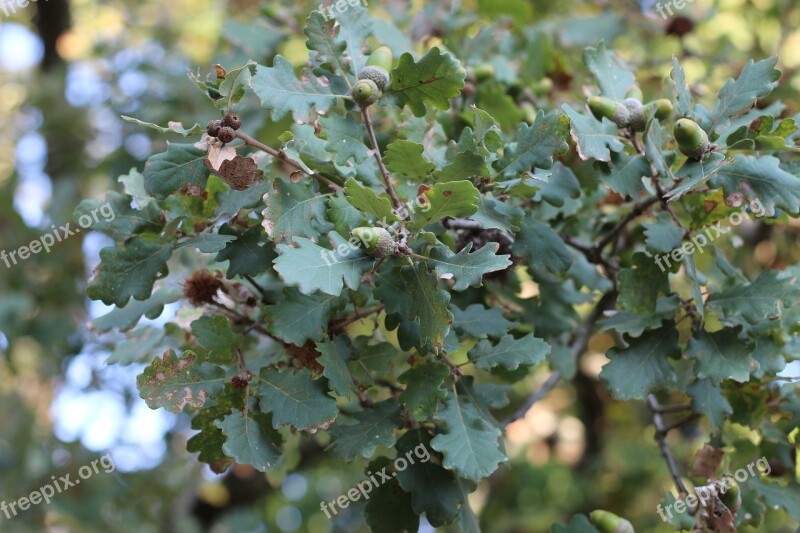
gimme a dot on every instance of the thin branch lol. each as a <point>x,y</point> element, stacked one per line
<point>257,286</point>
<point>661,437</point>
<point>546,387</point>
<point>355,317</point>
<point>637,210</point>
<point>283,157</point>
<point>674,408</point>
<point>387,180</point>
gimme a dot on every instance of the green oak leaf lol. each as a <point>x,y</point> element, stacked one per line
<point>138,345</point>
<point>593,138</point>
<point>251,253</point>
<point>761,178</point>
<point>624,172</point>
<point>297,317</point>
<point>643,366</point>
<point>295,210</point>
<point>250,440</point>
<point>469,442</point>
<point>232,88</point>
<point>435,492</point>
<point>738,96</point>
<point>633,324</point>
<point>640,285</point>
<point>493,213</point>
<point>323,38</point>
<point>174,383</point>
<point>465,166</point>
<point>578,524</point>
<point>612,74</point>
<point>694,173</point>
<point>707,398</point>
<point>425,389</point>
<point>313,268</point>
<point>542,246</point>
<point>722,355</point>
<point>116,218</point>
<point>467,269</point>
<point>537,144</point>
<point>435,79</point>
<point>389,508</point>
<point>128,272</point>
<point>404,159</point>
<point>411,293</point>
<point>763,299</point>
<point>283,93</point>
<point>375,426</point>
<point>215,335</point>
<point>454,199</point>
<point>510,353</point>
<point>345,138</point>
<point>295,399</point>
<point>778,495</point>
<point>181,165</point>
<point>683,97</point>
<point>210,440</point>
<point>477,321</point>
<point>125,318</point>
<point>367,200</point>
<point>172,127</point>
<point>662,235</point>
<point>334,358</point>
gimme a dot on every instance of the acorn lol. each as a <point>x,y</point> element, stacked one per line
<point>214,127</point>
<point>232,121</point>
<point>608,522</point>
<point>732,498</point>
<point>482,72</point>
<point>637,120</point>
<point>611,109</point>
<point>692,140</point>
<point>377,75</point>
<point>226,134</point>
<point>635,92</point>
<point>381,57</point>
<point>365,92</point>
<point>377,242</point>
<point>662,106</point>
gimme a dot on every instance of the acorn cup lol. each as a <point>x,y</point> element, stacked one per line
<point>608,522</point>
<point>637,120</point>
<point>376,75</point>
<point>377,242</point>
<point>616,112</point>
<point>692,140</point>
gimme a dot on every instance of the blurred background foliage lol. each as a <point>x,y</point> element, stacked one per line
<point>69,69</point>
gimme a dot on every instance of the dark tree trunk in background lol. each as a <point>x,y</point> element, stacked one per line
<point>52,20</point>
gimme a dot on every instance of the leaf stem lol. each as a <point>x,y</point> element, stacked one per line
<point>387,180</point>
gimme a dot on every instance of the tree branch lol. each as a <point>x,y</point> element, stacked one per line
<point>249,141</point>
<point>661,437</point>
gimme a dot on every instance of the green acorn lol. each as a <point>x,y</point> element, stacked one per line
<point>662,106</point>
<point>375,74</point>
<point>691,139</point>
<point>381,57</point>
<point>732,497</point>
<point>611,109</point>
<point>608,522</point>
<point>634,92</point>
<point>377,242</point>
<point>637,120</point>
<point>365,92</point>
<point>482,72</point>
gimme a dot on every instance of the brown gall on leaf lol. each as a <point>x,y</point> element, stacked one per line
<point>239,172</point>
<point>201,287</point>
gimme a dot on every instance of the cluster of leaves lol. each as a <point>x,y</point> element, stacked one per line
<point>301,334</point>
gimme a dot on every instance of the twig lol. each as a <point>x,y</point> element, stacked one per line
<point>638,209</point>
<point>387,180</point>
<point>355,317</point>
<point>257,286</point>
<point>576,348</point>
<point>455,371</point>
<point>661,437</point>
<point>283,157</point>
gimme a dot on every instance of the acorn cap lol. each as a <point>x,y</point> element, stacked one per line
<point>377,75</point>
<point>637,120</point>
<point>608,522</point>
<point>691,138</point>
<point>381,57</point>
<point>601,106</point>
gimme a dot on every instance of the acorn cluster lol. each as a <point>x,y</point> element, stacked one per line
<point>374,78</point>
<point>225,129</point>
<point>632,114</point>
